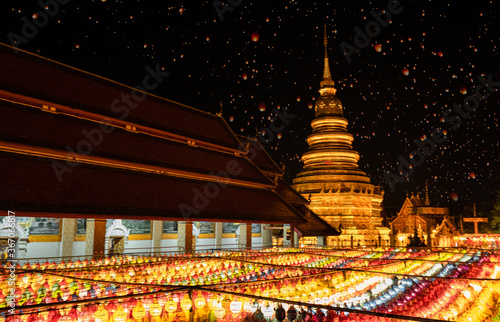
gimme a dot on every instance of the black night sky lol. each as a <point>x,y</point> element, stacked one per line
<point>259,55</point>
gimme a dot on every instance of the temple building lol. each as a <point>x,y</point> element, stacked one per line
<point>94,174</point>
<point>339,192</point>
<point>417,218</point>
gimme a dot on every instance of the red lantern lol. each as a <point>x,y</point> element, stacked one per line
<point>255,36</point>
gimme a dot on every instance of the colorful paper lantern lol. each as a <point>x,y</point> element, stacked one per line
<point>101,315</point>
<point>186,303</point>
<point>138,312</point>
<point>236,306</point>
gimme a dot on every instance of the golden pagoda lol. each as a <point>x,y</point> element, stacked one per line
<point>339,192</point>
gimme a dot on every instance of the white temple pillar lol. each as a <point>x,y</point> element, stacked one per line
<point>286,242</point>
<point>156,232</point>
<point>68,236</point>
<point>218,235</point>
<point>320,241</point>
<point>185,237</point>
<point>295,239</point>
<point>267,235</point>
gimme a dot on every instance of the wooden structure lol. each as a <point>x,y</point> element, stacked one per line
<point>475,220</point>
<point>76,145</point>
<point>417,218</point>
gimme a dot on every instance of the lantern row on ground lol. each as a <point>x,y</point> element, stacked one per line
<point>458,285</point>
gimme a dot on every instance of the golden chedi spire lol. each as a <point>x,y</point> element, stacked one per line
<point>340,191</point>
<point>327,103</point>
<point>327,83</point>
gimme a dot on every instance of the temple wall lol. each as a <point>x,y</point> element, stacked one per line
<point>70,239</point>
<point>43,249</point>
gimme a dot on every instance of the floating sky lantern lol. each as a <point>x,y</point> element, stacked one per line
<point>463,90</point>
<point>262,106</point>
<point>472,175</point>
<point>454,196</point>
<point>255,36</point>
<point>405,71</point>
<point>378,48</point>
<point>244,76</point>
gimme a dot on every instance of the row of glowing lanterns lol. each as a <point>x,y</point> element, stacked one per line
<point>357,290</point>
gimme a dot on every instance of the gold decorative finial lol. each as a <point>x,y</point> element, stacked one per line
<point>427,193</point>
<point>326,70</point>
<point>327,82</point>
<point>325,39</point>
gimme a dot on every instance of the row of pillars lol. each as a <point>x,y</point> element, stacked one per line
<point>95,238</point>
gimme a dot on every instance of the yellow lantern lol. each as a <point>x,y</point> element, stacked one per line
<point>154,309</point>
<point>101,315</point>
<point>219,312</point>
<point>186,303</point>
<point>139,311</point>
<point>170,306</point>
<point>199,302</point>
<point>213,302</point>
<point>236,306</point>
<point>120,315</point>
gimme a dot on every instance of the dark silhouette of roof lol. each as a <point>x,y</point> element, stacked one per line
<point>162,161</point>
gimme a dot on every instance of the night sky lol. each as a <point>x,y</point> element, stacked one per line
<point>258,56</point>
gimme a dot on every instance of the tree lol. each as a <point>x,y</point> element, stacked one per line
<point>495,215</point>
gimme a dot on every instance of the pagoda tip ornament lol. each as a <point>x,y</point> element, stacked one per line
<point>327,102</point>
<point>327,84</point>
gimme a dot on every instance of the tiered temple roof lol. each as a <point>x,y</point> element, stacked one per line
<point>160,156</point>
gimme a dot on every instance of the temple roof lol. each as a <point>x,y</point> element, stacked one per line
<point>66,153</point>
